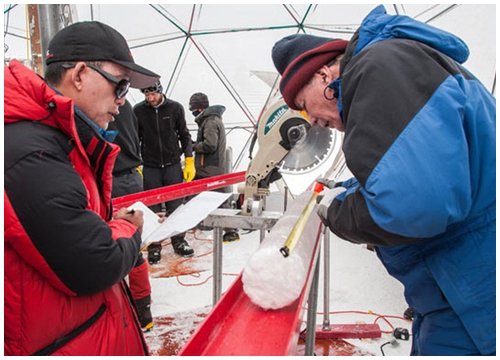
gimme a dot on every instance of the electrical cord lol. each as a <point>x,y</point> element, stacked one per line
<point>195,274</point>
<point>378,317</point>
<point>398,333</point>
<point>393,342</point>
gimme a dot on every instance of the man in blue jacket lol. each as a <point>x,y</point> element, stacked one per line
<point>420,142</point>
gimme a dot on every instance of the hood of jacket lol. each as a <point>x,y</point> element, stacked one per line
<point>378,26</point>
<point>28,97</point>
<point>214,110</point>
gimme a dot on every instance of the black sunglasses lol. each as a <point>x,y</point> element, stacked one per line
<point>121,85</point>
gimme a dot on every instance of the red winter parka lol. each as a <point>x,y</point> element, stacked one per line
<point>65,259</point>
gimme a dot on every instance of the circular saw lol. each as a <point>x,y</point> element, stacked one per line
<point>310,151</point>
<point>288,147</point>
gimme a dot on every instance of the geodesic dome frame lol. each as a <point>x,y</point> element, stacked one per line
<point>225,50</point>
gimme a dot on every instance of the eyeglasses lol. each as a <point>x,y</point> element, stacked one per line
<point>121,85</point>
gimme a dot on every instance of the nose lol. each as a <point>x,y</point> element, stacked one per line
<point>120,102</point>
<point>319,122</point>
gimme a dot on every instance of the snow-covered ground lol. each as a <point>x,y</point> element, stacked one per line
<point>360,288</point>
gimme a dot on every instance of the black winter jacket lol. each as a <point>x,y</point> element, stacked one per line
<point>128,139</point>
<point>160,131</point>
<point>210,146</point>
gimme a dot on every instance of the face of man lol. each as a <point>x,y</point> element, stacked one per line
<point>94,94</point>
<point>153,98</point>
<point>311,98</point>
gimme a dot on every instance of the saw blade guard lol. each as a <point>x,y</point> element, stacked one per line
<point>289,147</point>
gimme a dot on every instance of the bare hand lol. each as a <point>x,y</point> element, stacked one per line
<point>161,216</point>
<point>135,217</point>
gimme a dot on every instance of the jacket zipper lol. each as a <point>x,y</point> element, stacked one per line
<point>159,139</point>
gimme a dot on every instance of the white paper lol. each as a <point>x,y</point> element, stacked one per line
<point>151,220</point>
<point>185,217</point>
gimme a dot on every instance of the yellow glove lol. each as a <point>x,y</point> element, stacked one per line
<point>189,170</point>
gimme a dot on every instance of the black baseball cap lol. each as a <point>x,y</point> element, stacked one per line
<point>95,41</point>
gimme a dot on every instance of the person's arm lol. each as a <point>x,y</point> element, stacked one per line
<point>405,144</point>
<point>140,129</point>
<point>210,138</point>
<point>68,244</point>
<point>183,133</point>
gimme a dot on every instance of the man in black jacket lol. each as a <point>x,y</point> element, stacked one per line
<point>162,126</point>
<point>210,145</point>
<point>127,179</point>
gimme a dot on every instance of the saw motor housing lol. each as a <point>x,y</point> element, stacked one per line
<point>279,128</point>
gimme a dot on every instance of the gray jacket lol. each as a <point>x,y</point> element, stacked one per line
<point>210,146</point>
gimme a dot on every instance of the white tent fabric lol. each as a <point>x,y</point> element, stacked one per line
<point>225,50</point>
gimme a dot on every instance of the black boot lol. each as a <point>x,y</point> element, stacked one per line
<point>182,248</point>
<point>144,313</point>
<point>230,236</point>
<point>409,314</point>
<point>154,253</point>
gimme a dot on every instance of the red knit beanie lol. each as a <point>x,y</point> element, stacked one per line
<point>297,57</point>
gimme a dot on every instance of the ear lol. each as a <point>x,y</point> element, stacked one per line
<point>325,74</point>
<point>79,72</point>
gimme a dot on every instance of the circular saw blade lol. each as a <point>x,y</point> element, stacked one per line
<point>309,153</point>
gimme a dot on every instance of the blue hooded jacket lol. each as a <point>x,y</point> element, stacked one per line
<point>420,141</point>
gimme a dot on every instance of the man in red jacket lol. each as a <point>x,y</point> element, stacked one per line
<point>65,256</point>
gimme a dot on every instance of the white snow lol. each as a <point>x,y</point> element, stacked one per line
<point>360,288</point>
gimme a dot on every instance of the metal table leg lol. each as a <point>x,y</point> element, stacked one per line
<point>217,265</point>
<point>326,279</point>
<point>312,304</point>
<point>262,235</point>
<point>231,218</point>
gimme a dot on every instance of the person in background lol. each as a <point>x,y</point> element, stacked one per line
<point>65,256</point>
<point>127,179</point>
<point>420,142</point>
<point>162,126</point>
<point>210,145</point>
